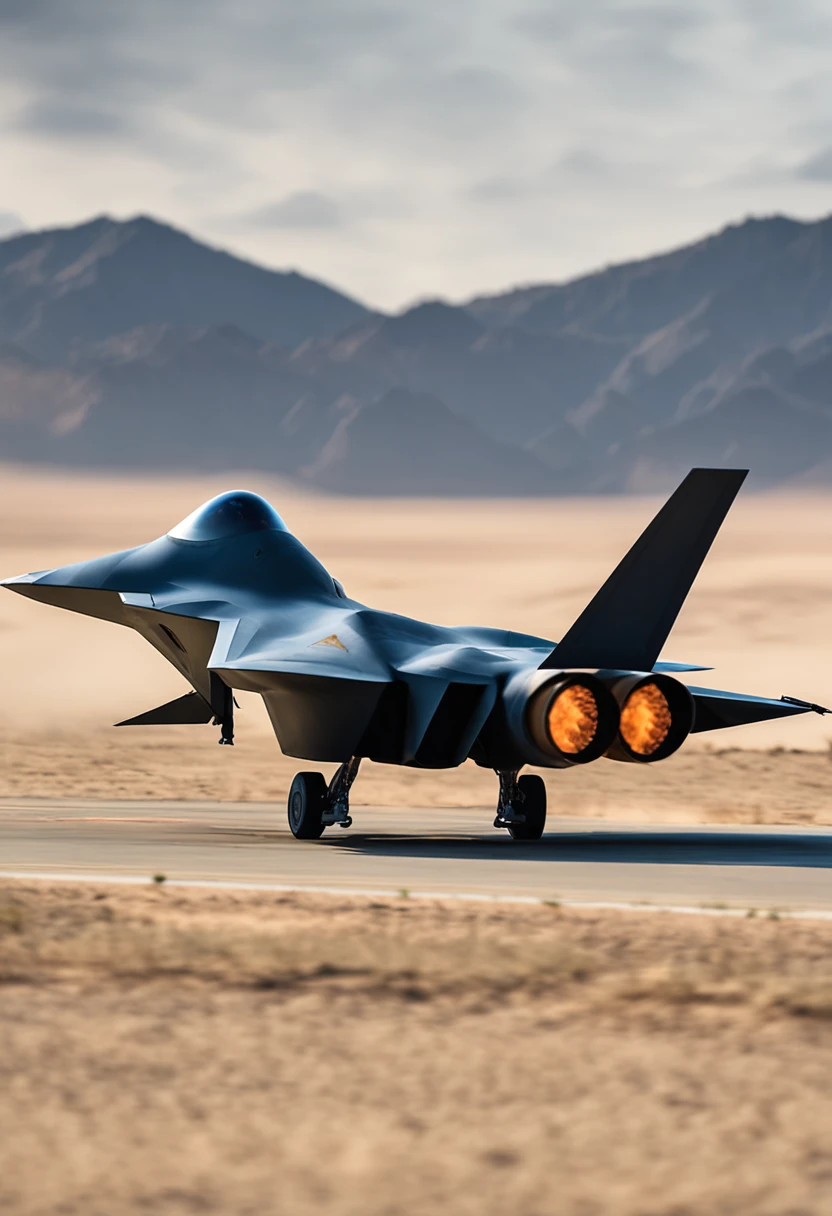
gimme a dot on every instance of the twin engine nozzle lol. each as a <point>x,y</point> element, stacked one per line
<point>575,717</point>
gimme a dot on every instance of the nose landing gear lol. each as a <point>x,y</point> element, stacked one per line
<point>522,806</point>
<point>222,703</point>
<point>314,805</point>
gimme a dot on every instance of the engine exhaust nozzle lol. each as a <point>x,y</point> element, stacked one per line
<point>572,719</point>
<point>656,716</point>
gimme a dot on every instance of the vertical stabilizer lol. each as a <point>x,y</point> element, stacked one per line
<point>625,626</point>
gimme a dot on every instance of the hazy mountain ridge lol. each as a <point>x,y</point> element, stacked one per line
<point>634,298</point>
<point>132,345</point>
<point>68,285</point>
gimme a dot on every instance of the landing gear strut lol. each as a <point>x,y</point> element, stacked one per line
<point>338,794</point>
<point>522,806</point>
<point>222,703</point>
<point>314,805</point>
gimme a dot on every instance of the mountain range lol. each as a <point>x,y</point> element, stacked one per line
<point>127,344</point>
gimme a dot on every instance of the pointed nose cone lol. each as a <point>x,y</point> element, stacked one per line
<point>82,587</point>
<point>213,549</point>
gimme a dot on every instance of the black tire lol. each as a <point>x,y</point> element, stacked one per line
<point>307,799</point>
<point>533,807</point>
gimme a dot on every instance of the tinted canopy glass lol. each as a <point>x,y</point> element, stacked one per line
<point>235,513</point>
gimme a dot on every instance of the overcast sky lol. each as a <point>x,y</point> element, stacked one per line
<point>423,147</point>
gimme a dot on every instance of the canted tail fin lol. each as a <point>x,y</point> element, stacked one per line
<point>626,624</point>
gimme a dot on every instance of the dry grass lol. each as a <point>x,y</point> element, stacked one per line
<point>408,949</point>
<point>184,1051</point>
<point>777,786</point>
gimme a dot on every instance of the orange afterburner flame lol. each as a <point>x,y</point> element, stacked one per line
<point>645,720</point>
<point>573,719</point>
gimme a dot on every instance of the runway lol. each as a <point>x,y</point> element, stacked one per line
<point>421,851</point>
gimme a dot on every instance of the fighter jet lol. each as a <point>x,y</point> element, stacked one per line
<point>235,602</point>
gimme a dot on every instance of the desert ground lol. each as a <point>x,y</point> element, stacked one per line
<point>759,614</point>
<point>185,1052</point>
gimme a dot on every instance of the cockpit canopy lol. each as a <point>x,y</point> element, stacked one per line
<point>235,513</point>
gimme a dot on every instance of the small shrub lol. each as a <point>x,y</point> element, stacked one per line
<point>12,918</point>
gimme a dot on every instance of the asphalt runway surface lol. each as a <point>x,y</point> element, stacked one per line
<point>420,851</point>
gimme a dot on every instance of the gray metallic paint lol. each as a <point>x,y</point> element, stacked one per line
<point>260,612</point>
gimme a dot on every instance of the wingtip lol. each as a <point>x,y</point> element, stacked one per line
<point>807,706</point>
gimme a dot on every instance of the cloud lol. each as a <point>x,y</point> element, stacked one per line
<point>303,209</point>
<point>817,168</point>
<point>575,20</point>
<point>253,40</point>
<point>798,23</point>
<point>409,148</point>
<point>579,167</point>
<point>11,223</point>
<point>499,189</point>
<point>50,117</point>
<point>584,163</point>
<point>641,54</point>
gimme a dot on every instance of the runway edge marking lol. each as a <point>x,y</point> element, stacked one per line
<point>219,884</point>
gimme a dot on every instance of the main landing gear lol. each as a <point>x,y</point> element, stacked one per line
<point>314,805</point>
<point>522,806</point>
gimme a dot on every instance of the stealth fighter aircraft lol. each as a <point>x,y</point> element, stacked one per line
<point>234,601</point>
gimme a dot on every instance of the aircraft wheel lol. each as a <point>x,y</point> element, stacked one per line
<point>307,799</point>
<point>533,807</point>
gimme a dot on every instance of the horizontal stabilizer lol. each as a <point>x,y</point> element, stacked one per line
<point>191,708</point>
<point>716,709</point>
<point>668,668</point>
<point>626,625</point>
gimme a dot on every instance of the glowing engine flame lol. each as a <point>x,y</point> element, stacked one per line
<point>573,719</point>
<point>645,720</point>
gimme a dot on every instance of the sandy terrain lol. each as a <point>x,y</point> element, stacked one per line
<point>760,613</point>
<point>190,1052</point>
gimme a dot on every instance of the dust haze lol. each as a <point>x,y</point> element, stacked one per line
<point>758,614</point>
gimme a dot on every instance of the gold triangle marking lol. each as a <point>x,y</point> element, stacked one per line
<point>332,640</point>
